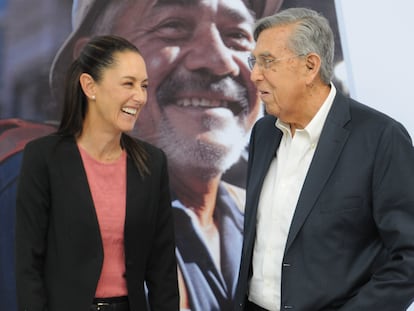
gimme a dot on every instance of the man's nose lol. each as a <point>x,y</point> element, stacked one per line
<point>256,74</point>
<point>209,52</point>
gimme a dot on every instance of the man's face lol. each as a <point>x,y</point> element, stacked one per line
<point>282,84</point>
<point>201,102</point>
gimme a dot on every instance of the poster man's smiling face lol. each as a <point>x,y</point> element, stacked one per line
<point>201,102</point>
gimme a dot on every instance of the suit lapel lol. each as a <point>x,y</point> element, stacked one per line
<point>263,146</point>
<point>331,142</point>
<point>267,143</point>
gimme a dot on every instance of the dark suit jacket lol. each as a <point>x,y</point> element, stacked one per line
<point>351,242</point>
<point>59,250</point>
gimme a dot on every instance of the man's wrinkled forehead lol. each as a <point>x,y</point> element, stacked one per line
<point>140,12</point>
<point>195,3</point>
<point>186,2</point>
<point>257,8</point>
<point>237,9</point>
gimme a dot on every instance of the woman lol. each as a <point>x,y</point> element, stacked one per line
<point>94,224</point>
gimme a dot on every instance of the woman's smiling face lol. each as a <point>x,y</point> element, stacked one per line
<point>121,93</point>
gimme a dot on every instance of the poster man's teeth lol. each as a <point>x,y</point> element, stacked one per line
<point>201,103</point>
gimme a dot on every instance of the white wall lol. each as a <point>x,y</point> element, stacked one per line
<point>379,54</point>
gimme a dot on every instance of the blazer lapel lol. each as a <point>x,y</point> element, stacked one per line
<point>73,170</point>
<point>331,142</point>
<point>76,184</point>
<point>138,207</point>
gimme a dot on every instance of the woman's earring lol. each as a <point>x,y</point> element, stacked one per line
<point>93,97</point>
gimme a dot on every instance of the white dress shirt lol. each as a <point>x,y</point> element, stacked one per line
<point>277,203</point>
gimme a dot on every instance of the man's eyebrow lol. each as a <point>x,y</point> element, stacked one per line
<point>239,16</point>
<point>265,54</point>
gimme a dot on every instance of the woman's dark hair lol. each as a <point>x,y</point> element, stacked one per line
<point>95,57</point>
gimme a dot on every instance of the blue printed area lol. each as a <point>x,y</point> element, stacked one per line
<point>9,169</point>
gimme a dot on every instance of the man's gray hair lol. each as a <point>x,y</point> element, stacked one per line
<point>312,34</point>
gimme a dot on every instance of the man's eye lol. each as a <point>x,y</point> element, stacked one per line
<point>238,35</point>
<point>173,30</point>
<point>238,40</point>
<point>174,24</point>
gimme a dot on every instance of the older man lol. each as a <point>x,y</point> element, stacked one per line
<point>330,204</point>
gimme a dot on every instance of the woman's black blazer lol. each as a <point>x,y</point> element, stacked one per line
<point>59,250</point>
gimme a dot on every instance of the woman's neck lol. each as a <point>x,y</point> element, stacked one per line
<point>100,145</point>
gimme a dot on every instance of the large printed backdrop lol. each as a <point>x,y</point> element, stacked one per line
<point>28,45</point>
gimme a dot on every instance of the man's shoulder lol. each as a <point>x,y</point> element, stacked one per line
<point>361,112</point>
<point>16,133</point>
<point>369,120</point>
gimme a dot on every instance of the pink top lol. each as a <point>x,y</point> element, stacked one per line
<point>107,183</point>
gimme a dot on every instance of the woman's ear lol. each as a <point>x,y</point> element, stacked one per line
<point>88,85</point>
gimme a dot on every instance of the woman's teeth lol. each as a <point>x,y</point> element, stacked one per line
<point>130,111</point>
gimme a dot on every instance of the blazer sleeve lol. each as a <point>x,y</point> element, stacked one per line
<point>161,275</point>
<point>32,208</point>
<point>391,286</point>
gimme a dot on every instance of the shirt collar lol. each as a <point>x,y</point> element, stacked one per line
<point>314,128</point>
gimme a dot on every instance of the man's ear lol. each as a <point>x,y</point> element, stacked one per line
<point>313,65</point>
<point>88,85</point>
<point>78,46</point>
